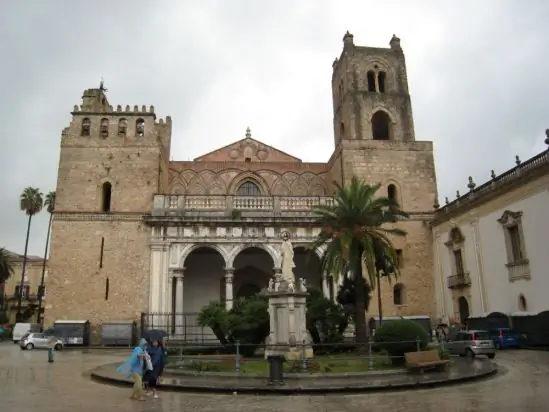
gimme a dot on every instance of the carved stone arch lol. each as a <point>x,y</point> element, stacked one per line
<point>455,236</point>
<point>251,176</point>
<point>197,186</point>
<point>177,187</point>
<point>270,249</point>
<point>187,175</point>
<point>299,187</point>
<point>318,187</point>
<point>388,111</point>
<point>280,187</point>
<point>290,177</point>
<point>384,66</point>
<point>188,249</point>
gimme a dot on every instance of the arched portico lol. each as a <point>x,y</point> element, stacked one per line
<point>253,267</point>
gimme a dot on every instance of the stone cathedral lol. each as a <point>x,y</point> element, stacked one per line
<point>137,232</point>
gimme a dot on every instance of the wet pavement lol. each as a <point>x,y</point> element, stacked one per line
<point>29,383</point>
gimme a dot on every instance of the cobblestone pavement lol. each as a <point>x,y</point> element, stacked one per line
<point>28,383</point>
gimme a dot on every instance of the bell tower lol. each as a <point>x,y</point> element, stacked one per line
<point>371,100</point>
<point>375,141</point>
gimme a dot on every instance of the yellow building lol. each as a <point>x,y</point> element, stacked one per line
<point>29,302</point>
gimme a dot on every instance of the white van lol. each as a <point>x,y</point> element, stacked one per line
<point>21,329</point>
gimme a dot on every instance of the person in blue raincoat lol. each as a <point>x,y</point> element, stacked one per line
<point>133,367</point>
<point>158,361</point>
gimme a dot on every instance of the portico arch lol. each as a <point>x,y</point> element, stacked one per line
<point>253,267</point>
<point>187,250</point>
<point>269,249</point>
<point>202,277</point>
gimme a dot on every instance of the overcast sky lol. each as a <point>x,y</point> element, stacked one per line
<point>477,73</point>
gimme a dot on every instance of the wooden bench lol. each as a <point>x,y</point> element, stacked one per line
<point>420,361</point>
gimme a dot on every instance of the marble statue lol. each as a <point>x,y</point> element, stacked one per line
<point>271,285</point>
<point>302,285</point>
<point>291,286</point>
<point>288,264</point>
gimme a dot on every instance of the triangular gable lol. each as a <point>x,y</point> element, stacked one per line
<point>247,149</point>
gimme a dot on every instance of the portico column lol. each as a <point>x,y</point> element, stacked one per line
<point>229,276</point>
<point>179,308</point>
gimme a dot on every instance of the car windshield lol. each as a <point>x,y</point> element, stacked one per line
<point>481,335</point>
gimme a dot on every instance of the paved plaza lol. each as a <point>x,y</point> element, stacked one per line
<point>28,383</point>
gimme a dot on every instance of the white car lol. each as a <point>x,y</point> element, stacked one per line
<point>40,341</point>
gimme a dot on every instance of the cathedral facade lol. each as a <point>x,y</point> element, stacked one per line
<point>134,232</point>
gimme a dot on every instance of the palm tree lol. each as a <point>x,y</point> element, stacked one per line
<point>353,229</point>
<point>6,271</point>
<point>49,204</point>
<point>31,202</point>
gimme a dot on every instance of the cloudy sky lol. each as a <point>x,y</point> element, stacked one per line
<point>477,72</point>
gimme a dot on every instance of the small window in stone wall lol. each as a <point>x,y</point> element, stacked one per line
<point>122,127</point>
<point>398,294</point>
<point>86,127</point>
<point>140,127</point>
<point>104,128</point>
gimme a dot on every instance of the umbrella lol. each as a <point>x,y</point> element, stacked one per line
<point>155,334</point>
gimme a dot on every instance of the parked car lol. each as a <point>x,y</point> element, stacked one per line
<point>40,341</point>
<point>505,338</point>
<point>471,343</point>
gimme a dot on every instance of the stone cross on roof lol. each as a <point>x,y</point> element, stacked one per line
<point>248,133</point>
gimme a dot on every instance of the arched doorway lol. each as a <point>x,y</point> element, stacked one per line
<point>463,307</point>
<point>308,266</point>
<point>253,267</point>
<point>204,272</point>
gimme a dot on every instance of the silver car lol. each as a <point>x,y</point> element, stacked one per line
<point>40,341</point>
<point>471,343</point>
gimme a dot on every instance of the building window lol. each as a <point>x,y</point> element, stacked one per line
<point>104,128</point>
<point>399,258</point>
<point>342,130</point>
<point>522,305</point>
<point>392,193</point>
<point>371,78</point>
<point>517,260</point>
<point>106,197</point>
<point>381,126</point>
<point>381,82</point>
<point>86,127</point>
<point>398,294</point>
<point>458,262</point>
<point>140,127</point>
<point>248,188</point>
<point>122,127</point>
<point>22,292</point>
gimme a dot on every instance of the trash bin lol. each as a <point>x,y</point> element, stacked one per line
<point>276,371</point>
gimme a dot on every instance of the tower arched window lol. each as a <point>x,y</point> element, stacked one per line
<point>104,128</point>
<point>342,130</point>
<point>122,127</point>
<point>248,188</point>
<point>381,78</point>
<point>106,195</point>
<point>86,126</point>
<point>140,127</point>
<point>398,294</point>
<point>392,193</point>
<point>371,78</point>
<point>381,126</point>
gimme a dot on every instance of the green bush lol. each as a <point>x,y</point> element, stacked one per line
<point>444,354</point>
<point>326,321</point>
<point>399,337</point>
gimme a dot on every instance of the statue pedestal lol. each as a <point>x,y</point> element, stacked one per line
<point>288,335</point>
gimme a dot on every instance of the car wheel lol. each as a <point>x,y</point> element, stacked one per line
<point>58,347</point>
<point>469,353</point>
<point>491,356</point>
<point>29,346</point>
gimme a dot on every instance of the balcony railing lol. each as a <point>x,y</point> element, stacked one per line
<point>167,205</point>
<point>459,281</point>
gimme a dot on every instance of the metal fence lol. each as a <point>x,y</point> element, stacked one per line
<point>182,327</point>
<point>338,357</point>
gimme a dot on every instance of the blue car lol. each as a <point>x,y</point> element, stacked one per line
<point>504,338</point>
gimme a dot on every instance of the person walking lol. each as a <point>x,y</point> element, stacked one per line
<point>158,361</point>
<point>133,367</point>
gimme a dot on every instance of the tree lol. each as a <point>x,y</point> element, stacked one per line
<point>31,202</point>
<point>350,228</point>
<point>6,265</point>
<point>6,271</point>
<point>49,204</point>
